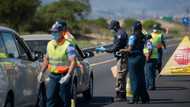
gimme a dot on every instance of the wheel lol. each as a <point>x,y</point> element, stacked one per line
<point>74,95</point>
<point>41,100</point>
<point>88,94</point>
<point>9,101</point>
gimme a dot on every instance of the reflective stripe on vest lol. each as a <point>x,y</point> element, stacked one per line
<point>156,39</point>
<point>57,57</point>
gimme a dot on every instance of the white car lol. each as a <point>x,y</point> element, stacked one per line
<point>81,82</point>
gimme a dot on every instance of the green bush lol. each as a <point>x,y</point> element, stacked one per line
<point>174,31</point>
<point>127,24</point>
<point>92,26</point>
<point>148,24</point>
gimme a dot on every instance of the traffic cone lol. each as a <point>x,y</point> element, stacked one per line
<point>128,88</point>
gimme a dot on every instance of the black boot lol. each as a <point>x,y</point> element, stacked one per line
<point>120,97</point>
<point>135,100</point>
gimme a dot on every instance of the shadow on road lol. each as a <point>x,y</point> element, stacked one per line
<point>170,88</point>
<point>167,101</point>
<point>98,101</point>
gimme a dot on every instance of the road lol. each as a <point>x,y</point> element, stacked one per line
<point>171,91</point>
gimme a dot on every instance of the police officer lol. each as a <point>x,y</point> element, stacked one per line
<point>60,61</point>
<point>151,54</point>
<point>136,62</point>
<point>159,42</point>
<point>69,37</point>
<point>119,42</point>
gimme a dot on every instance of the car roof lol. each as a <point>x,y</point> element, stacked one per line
<point>2,28</point>
<point>36,37</point>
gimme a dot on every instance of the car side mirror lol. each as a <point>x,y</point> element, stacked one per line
<point>38,55</point>
<point>88,54</point>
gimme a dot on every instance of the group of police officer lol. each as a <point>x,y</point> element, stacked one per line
<point>140,57</point>
<point>139,52</point>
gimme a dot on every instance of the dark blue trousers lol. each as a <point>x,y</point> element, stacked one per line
<point>150,73</point>
<point>136,73</point>
<point>58,95</point>
<point>159,61</point>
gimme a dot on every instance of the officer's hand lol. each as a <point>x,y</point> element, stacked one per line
<point>65,79</point>
<point>147,58</point>
<point>123,51</point>
<point>40,77</point>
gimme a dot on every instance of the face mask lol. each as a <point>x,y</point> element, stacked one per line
<point>55,36</point>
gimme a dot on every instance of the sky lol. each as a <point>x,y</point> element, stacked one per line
<point>131,8</point>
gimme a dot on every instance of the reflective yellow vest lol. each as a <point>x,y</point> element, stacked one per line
<point>154,54</point>
<point>57,57</point>
<point>156,39</point>
<point>3,55</point>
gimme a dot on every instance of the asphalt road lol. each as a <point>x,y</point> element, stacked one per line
<point>171,91</point>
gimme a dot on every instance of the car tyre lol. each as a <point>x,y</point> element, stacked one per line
<point>9,101</point>
<point>88,94</point>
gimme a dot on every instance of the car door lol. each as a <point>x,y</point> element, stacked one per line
<point>7,72</point>
<point>24,81</point>
<point>86,75</point>
<point>32,69</point>
<point>82,75</point>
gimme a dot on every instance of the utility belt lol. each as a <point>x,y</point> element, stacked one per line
<point>58,69</point>
<point>55,76</point>
<point>63,74</point>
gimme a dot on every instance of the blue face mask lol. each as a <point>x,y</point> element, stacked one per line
<point>55,36</point>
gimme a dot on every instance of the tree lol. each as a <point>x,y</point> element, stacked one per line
<point>14,13</point>
<point>70,11</point>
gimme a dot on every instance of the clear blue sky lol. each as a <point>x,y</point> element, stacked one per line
<point>125,8</point>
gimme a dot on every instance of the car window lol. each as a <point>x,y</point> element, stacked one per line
<point>22,52</point>
<point>2,47</point>
<point>10,44</point>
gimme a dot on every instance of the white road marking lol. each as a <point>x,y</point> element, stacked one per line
<point>103,62</point>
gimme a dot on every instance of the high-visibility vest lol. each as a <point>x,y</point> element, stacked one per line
<point>154,54</point>
<point>156,39</point>
<point>3,55</point>
<point>57,57</point>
